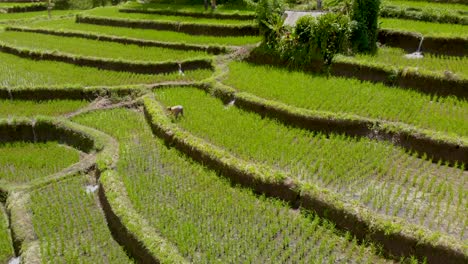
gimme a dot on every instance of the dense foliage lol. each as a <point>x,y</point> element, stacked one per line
<point>365,13</point>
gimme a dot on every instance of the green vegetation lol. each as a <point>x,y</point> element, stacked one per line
<point>35,15</point>
<point>147,34</point>
<point>111,12</point>
<point>424,11</point>
<point>21,162</point>
<point>204,216</point>
<point>32,108</point>
<point>6,247</point>
<point>220,9</point>
<point>425,28</point>
<point>15,71</point>
<point>95,48</point>
<point>340,95</point>
<point>13,4</point>
<point>379,175</point>
<point>71,227</point>
<point>366,14</point>
<point>395,57</point>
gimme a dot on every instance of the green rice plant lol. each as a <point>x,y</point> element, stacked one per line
<point>184,8</point>
<point>95,48</point>
<point>424,11</point>
<point>15,71</point>
<point>367,171</point>
<point>425,28</point>
<point>71,227</point>
<point>395,57</point>
<point>9,108</point>
<point>21,162</point>
<point>340,95</point>
<point>204,215</point>
<point>34,15</point>
<point>111,12</point>
<point>6,246</point>
<point>147,34</point>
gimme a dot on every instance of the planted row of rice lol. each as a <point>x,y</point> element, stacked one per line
<point>21,162</point>
<point>96,48</point>
<point>340,95</point>
<point>113,12</point>
<point>6,246</point>
<point>34,15</point>
<point>425,28</point>
<point>146,34</point>
<point>433,64</point>
<point>220,8</point>
<point>16,71</point>
<point>71,227</point>
<point>379,175</point>
<point>427,4</point>
<point>10,108</point>
<point>204,216</point>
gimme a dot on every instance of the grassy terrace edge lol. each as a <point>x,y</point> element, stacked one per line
<point>409,41</point>
<point>188,13</point>
<point>127,227</point>
<point>213,49</point>
<point>396,236</point>
<point>401,77</point>
<point>185,27</point>
<point>108,64</point>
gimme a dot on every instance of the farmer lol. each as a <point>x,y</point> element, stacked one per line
<point>176,110</point>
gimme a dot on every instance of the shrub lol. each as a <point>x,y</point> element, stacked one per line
<point>365,13</point>
<point>270,19</point>
<point>303,29</point>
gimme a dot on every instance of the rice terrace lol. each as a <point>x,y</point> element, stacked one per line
<point>233,131</point>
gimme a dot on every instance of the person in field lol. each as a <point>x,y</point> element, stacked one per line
<point>176,110</point>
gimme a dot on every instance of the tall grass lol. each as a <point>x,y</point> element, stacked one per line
<point>31,108</point>
<point>220,9</point>
<point>445,114</point>
<point>21,162</point>
<point>15,71</point>
<point>71,227</point>
<point>147,34</point>
<point>204,216</point>
<point>114,12</point>
<point>382,177</point>
<point>6,247</point>
<point>425,28</point>
<point>96,48</point>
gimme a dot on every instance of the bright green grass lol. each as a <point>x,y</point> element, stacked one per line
<point>315,92</point>
<point>6,248</point>
<point>16,71</point>
<point>220,9</point>
<point>113,12</point>
<point>71,227</point>
<point>376,174</point>
<point>21,162</point>
<point>148,34</point>
<point>204,216</point>
<point>427,5</point>
<point>37,14</point>
<point>425,28</point>
<point>32,108</point>
<point>395,57</point>
<point>95,48</point>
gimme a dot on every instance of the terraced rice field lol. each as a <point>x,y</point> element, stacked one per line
<point>146,34</point>
<point>412,190</point>
<point>121,179</point>
<point>340,95</point>
<point>22,162</point>
<point>11,108</point>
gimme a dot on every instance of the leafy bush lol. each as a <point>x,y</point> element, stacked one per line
<point>304,27</point>
<point>365,13</point>
<point>270,18</point>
